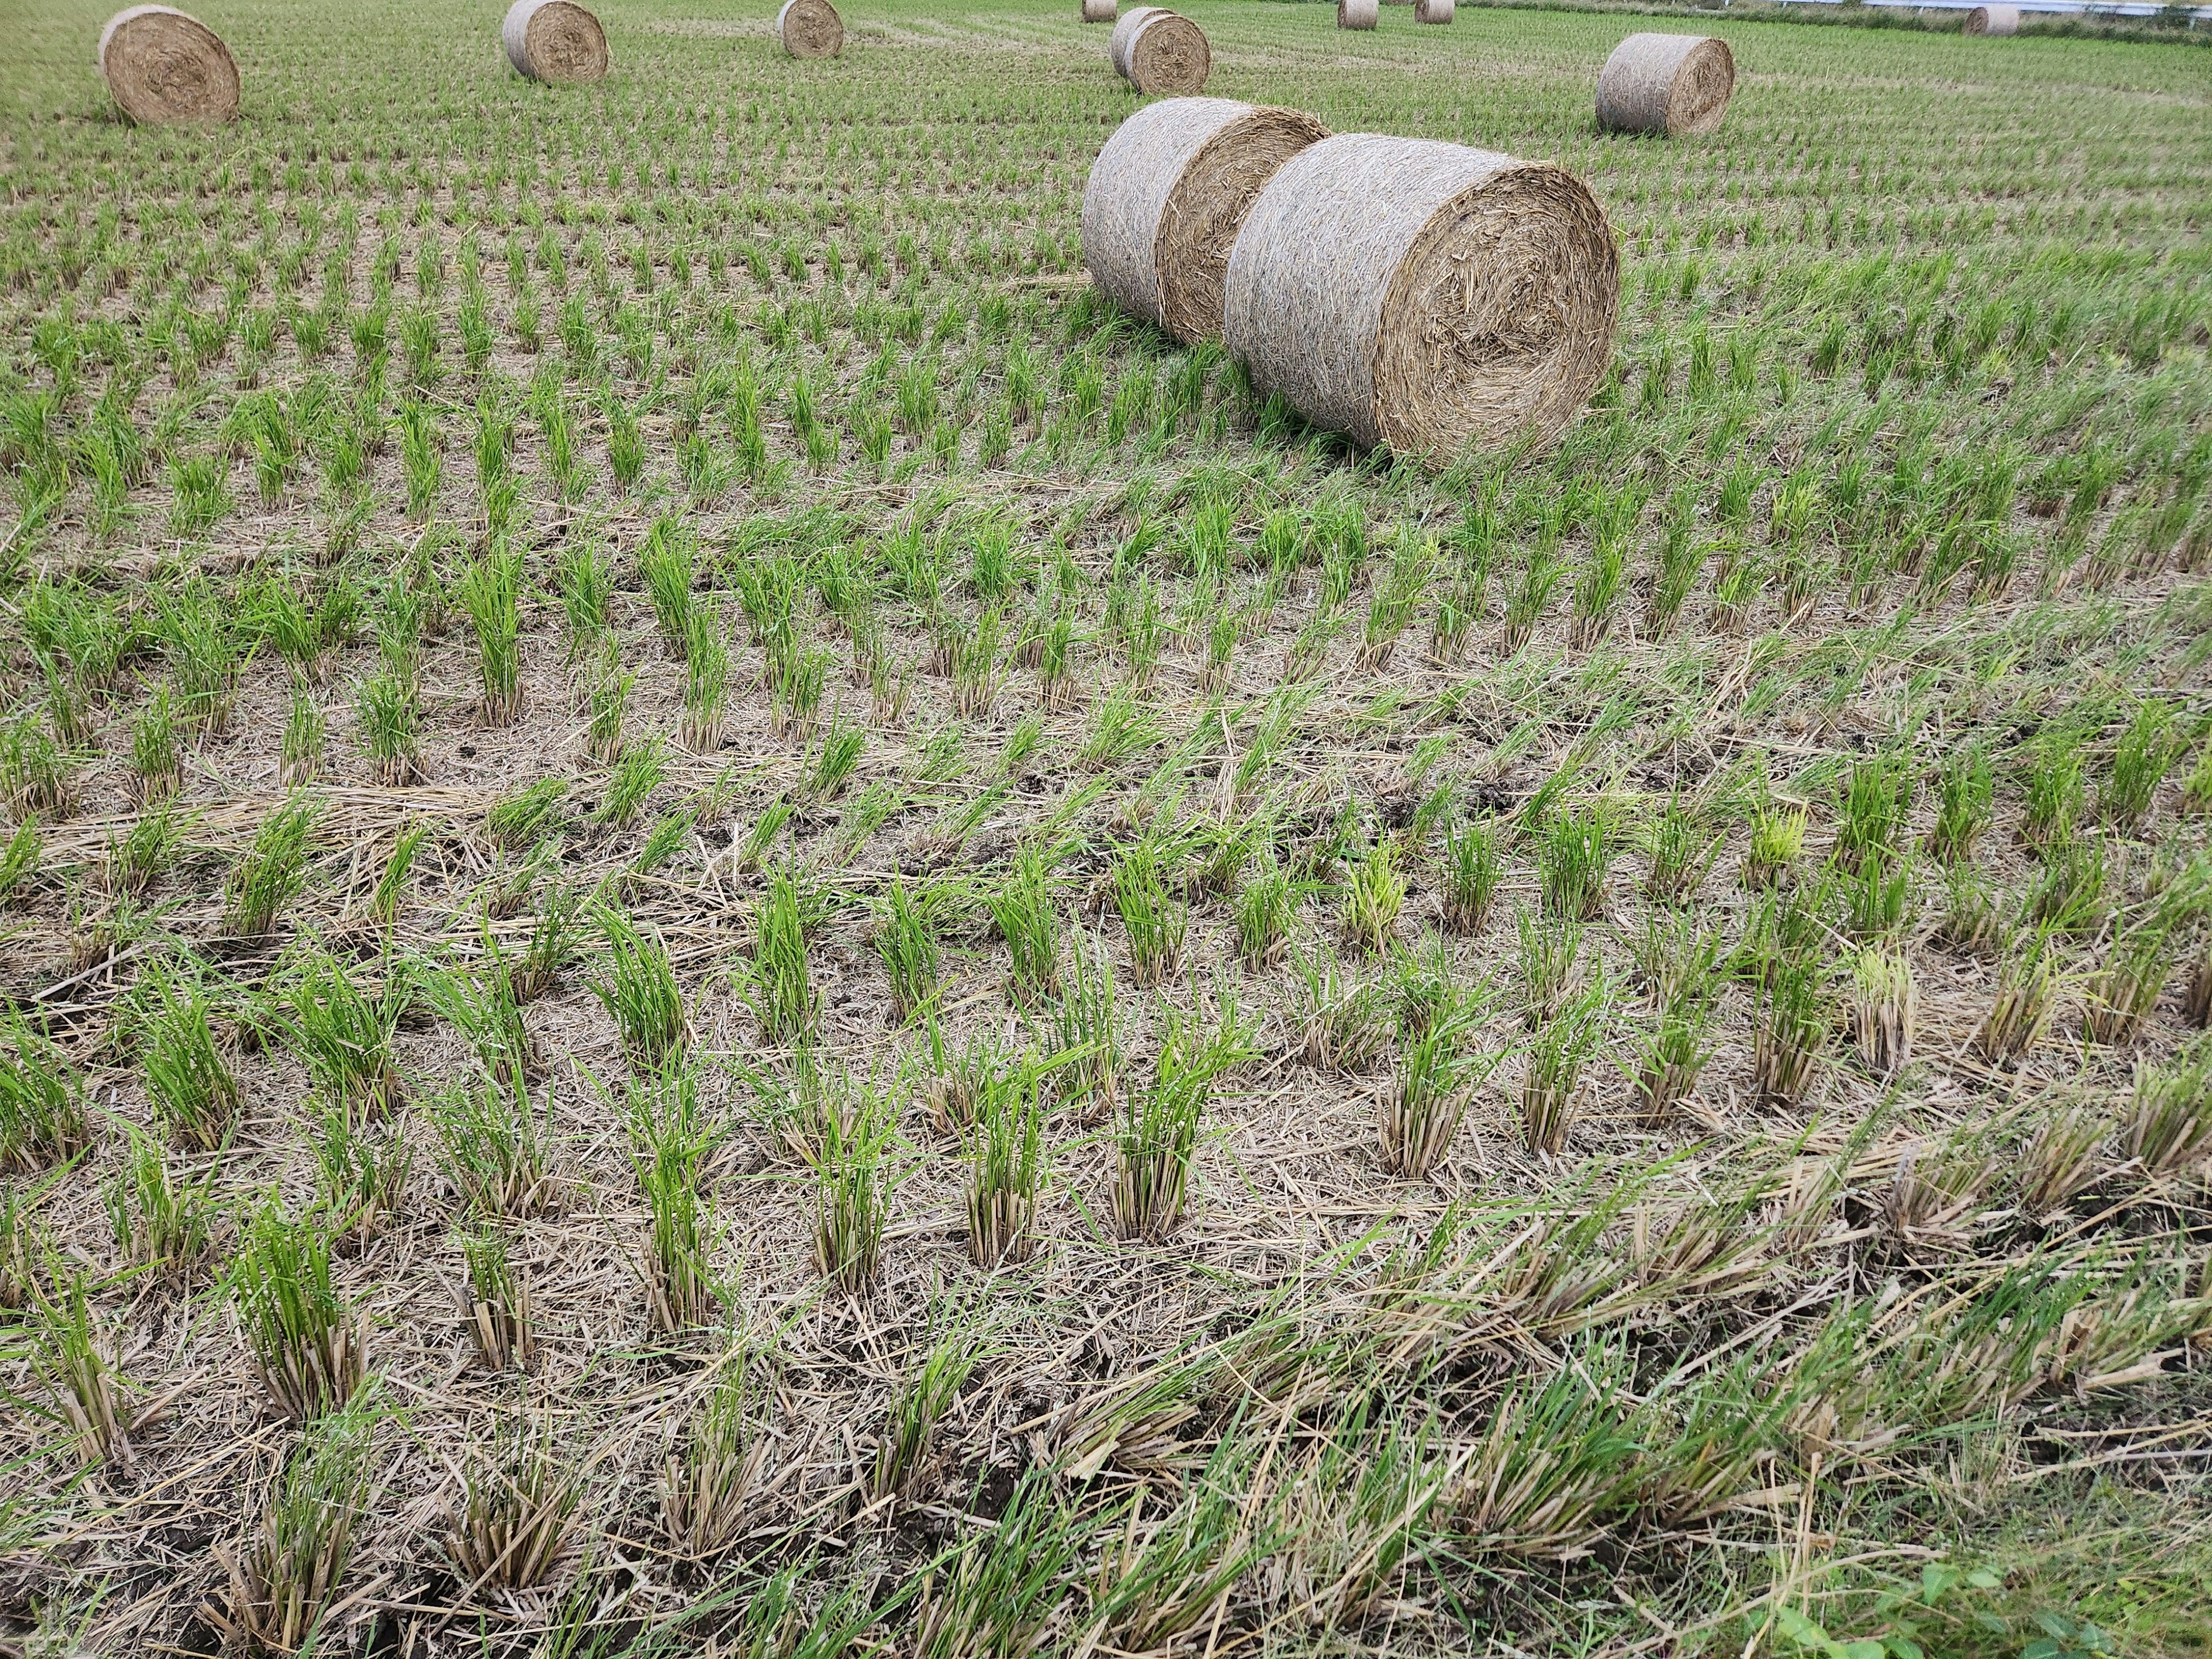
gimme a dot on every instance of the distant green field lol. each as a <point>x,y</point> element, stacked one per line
<point>731,928</point>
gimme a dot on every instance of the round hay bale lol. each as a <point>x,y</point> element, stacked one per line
<point>1424,294</point>
<point>1433,11</point>
<point>1100,11</point>
<point>1167,195</point>
<point>1993,20</point>
<point>1356,14</point>
<point>1157,51</point>
<point>1677,84</point>
<point>810,29</point>
<point>162,65</point>
<point>555,40</point>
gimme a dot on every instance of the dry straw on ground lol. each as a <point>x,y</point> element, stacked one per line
<point>1433,11</point>
<point>1167,195</point>
<point>1160,52</point>
<point>1993,20</point>
<point>162,65</point>
<point>1675,84</point>
<point>1100,11</point>
<point>1424,294</point>
<point>1356,14</point>
<point>810,29</point>
<point>555,40</point>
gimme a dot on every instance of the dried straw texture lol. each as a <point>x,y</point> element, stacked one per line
<point>1993,20</point>
<point>810,29</point>
<point>1433,11</point>
<point>555,40</point>
<point>1677,84</point>
<point>1424,294</point>
<point>1100,11</point>
<point>162,65</point>
<point>1157,50</point>
<point>1167,195</point>
<point>1356,14</point>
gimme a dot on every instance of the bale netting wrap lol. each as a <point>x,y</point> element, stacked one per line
<point>1677,84</point>
<point>1167,195</point>
<point>1433,11</point>
<point>810,28</point>
<point>1424,294</point>
<point>555,40</point>
<point>162,65</point>
<point>1357,14</point>
<point>1100,11</point>
<point>1157,51</point>
<point>1993,20</point>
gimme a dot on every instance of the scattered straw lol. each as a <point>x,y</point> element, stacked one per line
<point>162,65</point>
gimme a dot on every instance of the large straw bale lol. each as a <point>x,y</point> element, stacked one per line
<point>1675,84</point>
<point>1100,11</point>
<point>1167,195</point>
<point>1993,20</point>
<point>1356,14</point>
<point>162,65</point>
<point>555,40</point>
<point>1157,51</point>
<point>810,28</point>
<point>1424,294</point>
<point>1433,11</point>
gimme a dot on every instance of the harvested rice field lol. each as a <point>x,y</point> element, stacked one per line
<point>732,927</point>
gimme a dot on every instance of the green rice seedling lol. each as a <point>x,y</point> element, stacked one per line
<point>201,497</point>
<point>343,1036</point>
<point>1790,1025</point>
<point>1086,1063</point>
<point>1778,840</point>
<point>637,773</point>
<point>1598,583</point>
<point>2126,985</point>
<point>705,678</point>
<point>1154,922</point>
<point>144,852</point>
<point>1340,1017</point>
<point>795,681</point>
<point>1675,1047</point>
<point>1877,796</point>
<point>200,635</point>
<point>1528,594</point>
<point>390,720</point>
<point>1572,863</point>
<point>270,875</point>
<point>2070,895</point>
<point>665,562</point>
<point>670,834</point>
<point>156,766</point>
<point>709,1481</point>
<point>586,595</point>
<point>1158,1593</point>
<point>42,1119</point>
<point>299,752</point>
<point>1878,896</point>
<point>160,1221</point>
<point>2063,1159</point>
<point>420,464</point>
<point>853,1180</point>
<point>1553,1467</point>
<point>671,1145</point>
<point>1885,1008</point>
<point>837,759</point>
<point>1391,607</point>
<point>2146,753</point>
<point>2168,1124</point>
<point>496,1148</point>
<point>285,1579</point>
<point>1549,955</point>
<point>363,1172</point>
<point>19,858</point>
<point>1263,911</point>
<point>1438,1071</point>
<point>522,820</point>
<point>1374,894</point>
<point>1024,911</point>
<point>752,852</point>
<point>1964,791</point>
<point>77,1366</point>
<point>518,1501</point>
<point>1120,727</point>
<point>304,1338</point>
<point>1157,1131</point>
<point>1681,848</point>
<point>780,984</point>
<point>2197,787</point>
<point>975,667</point>
<point>551,945</point>
<point>191,1092</point>
<point>491,592</point>
<point>923,1396</point>
<point>478,1001</point>
<point>2029,969</point>
<point>1473,870</point>
<point>1558,1051</point>
<point>637,988</point>
<point>33,772</point>
<point>907,944</point>
<point>1006,1156</point>
<point>2053,790</point>
<point>1681,555</point>
<point>607,699</point>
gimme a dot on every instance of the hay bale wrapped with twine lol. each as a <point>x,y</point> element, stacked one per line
<point>1993,20</point>
<point>1357,14</point>
<point>810,29</point>
<point>1424,294</point>
<point>162,65</point>
<point>1157,50</point>
<point>1433,11</point>
<point>1100,11</point>
<point>1675,84</point>
<point>1167,195</point>
<point>555,40</point>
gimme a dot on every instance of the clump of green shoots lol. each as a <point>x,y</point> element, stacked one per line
<point>76,1362</point>
<point>1158,1130</point>
<point>1777,839</point>
<point>1676,1045</point>
<point>42,1119</point>
<point>1964,788</point>
<point>1022,909</point>
<point>1682,850</point>
<point>1572,862</point>
<point>491,594</point>
<point>1374,894</point>
<point>671,1143</point>
<point>1154,923</point>
<point>2146,752</point>
<point>343,1035</point>
<point>270,874</point>
<point>1558,1051</point>
<point>303,1336</point>
<point>160,1221</point>
<point>364,1172</point>
<point>519,1503</point>
<point>496,1148</point>
<point>2168,1125</point>
<point>283,1581</point>
<point>1473,869</point>
<point>1789,1024</point>
<point>193,1095</point>
<point>707,1484</point>
<point>854,1179</point>
<point>780,984</point>
<point>1439,1069</point>
<point>1005,1166</point>
<point>639,991</point>
<point>2028,971</point>
<point>1884,1006</point>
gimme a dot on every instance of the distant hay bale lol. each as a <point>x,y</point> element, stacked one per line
<point>1100,11</point>
<point>1167,195</point>
<point>1433,11</point>
<point>1356,14</point>
<point>555,40</point>
<point>810,29</point>
<point>1676,84</point>
<point>1424,294</point>
<point>162,65</point>
<point>1993,20</point>
<point>1157,50</point>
